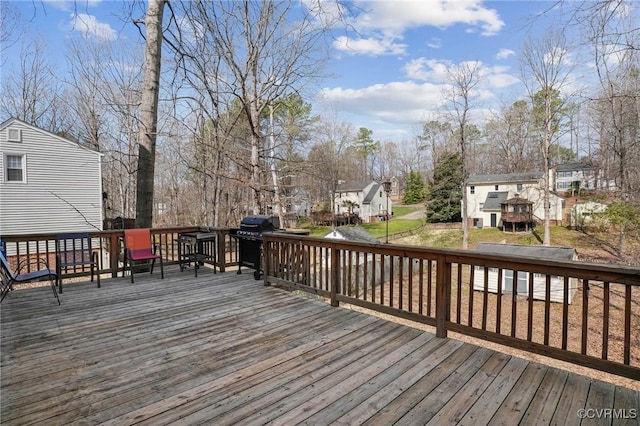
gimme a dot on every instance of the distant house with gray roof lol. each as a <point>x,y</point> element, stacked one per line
<point>572,177</point>
<point>488,194</point>
<point>366,198</point>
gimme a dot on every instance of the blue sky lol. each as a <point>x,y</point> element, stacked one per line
<point>387,75</point>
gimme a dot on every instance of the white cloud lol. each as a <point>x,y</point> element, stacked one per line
<point>381,24</point>
<point>434,43</point>
<point>427,69</point>
<point>385,108</point>
<point>401,15</point>
<point>435,70</point>
<point>396,102</point>
<point>89,26</point>
<point>374,46</point>
<point>499,77</point>
<point>504,53</point>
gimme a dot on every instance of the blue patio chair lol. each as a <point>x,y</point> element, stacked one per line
<point>10,277</point>
<point>74,252</point>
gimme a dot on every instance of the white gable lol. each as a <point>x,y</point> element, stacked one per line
<point>61,186</point>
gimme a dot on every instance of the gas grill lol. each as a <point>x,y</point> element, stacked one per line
<point>249,237</point>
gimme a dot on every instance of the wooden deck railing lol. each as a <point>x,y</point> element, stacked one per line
<point>587,314</point>
<point>109,246</point>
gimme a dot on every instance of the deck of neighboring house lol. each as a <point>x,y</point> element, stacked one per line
<point>224,349</point>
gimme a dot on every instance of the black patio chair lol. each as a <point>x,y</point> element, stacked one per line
<point>10,277</point>
<point>74,253</point>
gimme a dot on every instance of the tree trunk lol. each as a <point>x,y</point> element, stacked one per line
<point>622,241</point>
<point>274,174</point>
<point>149,115</point>
<point>254,120</point>
<point>547,167</point>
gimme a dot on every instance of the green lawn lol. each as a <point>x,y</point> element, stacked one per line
<point>378,229</point>
<point>402,210</point>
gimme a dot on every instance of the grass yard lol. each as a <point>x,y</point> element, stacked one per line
<point>378,229</point>
<point>403,210</point>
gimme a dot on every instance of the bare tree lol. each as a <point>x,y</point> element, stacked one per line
<point>265,53</point>
<point>87,61</point>
<point>613,34</point>
<point>32,93</point>
<point>149,114</point>
<point>463,79</point>
<point>546,72</point>
<point>9,24</point>
<point>509,135</point>
<point>328,159</point>
<point>435,138</point>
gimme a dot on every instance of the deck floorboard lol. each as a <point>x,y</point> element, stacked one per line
<point>223,349</point>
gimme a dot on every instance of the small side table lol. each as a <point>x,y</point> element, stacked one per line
<point>197,247</point>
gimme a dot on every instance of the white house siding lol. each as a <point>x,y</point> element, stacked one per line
<point>492,279</point>
<point>530,190</point>
<point>63,188</point>
<point>539,284</point>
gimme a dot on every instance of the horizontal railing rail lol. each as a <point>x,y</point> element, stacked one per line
<point>583,313</point>
<point>109,246</point>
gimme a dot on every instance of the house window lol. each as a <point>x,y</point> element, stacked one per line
<point>481,206</point>
<point>14,168</point>
<point>519,187</point>
<point>497,186</point>
<point>380,194</point>
<point>473,189</point>
<point>14,135</point>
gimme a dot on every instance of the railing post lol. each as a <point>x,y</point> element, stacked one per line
<point>222,254</point>
<point>335,275</point>
<point>114,251</point>
<point>443,296</point>
<point>267,260</point>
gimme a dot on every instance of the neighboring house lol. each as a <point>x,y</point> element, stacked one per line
<point>367,199</point>
<point>486,195</point>
<point>572,177</point>
<point>395,194</point>
<point>48,184</point>
<point>522,285</point>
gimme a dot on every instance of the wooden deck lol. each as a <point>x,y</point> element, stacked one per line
<point>223,349</point>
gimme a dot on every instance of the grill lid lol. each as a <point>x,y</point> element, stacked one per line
<point>260,223</point>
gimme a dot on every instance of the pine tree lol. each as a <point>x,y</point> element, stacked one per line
<point>415,189</point>
<point>445,193</point>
